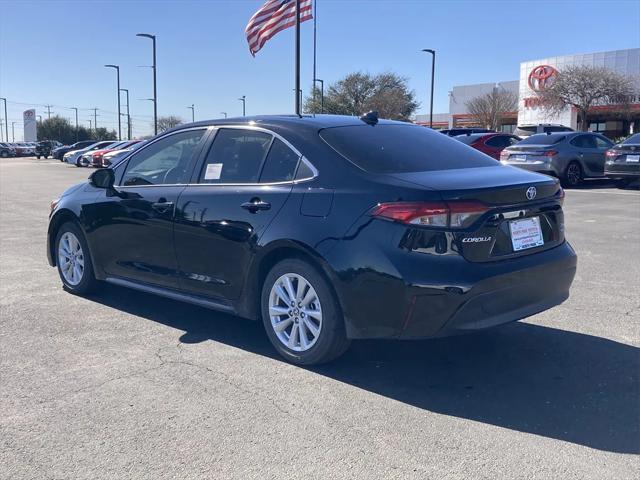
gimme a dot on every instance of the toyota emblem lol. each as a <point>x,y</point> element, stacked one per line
<point>541,77</point>
<point>531,193</point>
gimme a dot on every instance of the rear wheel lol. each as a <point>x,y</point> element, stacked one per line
<point>301,314</point>
<point>4,154</point>
<point>73,259</point>
<point>572,175</point>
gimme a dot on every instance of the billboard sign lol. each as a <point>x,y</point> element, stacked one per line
<point>29,125</point>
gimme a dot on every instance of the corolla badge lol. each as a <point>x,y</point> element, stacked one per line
<point>531,193</point>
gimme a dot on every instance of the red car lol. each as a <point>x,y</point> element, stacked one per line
<point>490,143</point>
<point>96,157</point>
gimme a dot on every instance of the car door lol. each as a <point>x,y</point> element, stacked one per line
<point>236,192</point>
<point>133,231</point>
<point>586,151</point>
<point>602,145</point>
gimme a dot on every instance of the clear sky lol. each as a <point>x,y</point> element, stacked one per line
<point>53,52</point>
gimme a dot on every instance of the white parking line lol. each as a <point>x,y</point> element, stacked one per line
<point>632,194</point>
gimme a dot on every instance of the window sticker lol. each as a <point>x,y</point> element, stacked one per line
<point>214,170</point>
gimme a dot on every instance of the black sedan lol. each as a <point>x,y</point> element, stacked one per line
<point>623,160</point>
<point>326,228</point>
<point>58,153</point>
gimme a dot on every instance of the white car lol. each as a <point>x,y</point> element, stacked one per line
<point>74,156</point>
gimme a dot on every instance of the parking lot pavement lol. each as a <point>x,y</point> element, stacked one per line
<point>128,385</point>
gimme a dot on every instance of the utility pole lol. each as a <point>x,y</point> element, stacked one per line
<point>128,116</point>
<point>243,99</point>
<point>6,120</point>
<point>95,119</point>
<point>13,132</point>
<point>117,68</point>
<point>193,112</point>
<point>321,93</point>
<point>155,90</point>
<point>297,75</point>
<point>48,107</point>
<point>76,109</point>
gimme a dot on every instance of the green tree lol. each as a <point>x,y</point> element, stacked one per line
<point>359,92</point>
<point>58,128</point>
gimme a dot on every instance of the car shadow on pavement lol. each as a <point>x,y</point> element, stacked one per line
<point>558,384</point>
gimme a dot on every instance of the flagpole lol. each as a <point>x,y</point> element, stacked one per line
<point>315,16</point>
<point>297,94</point>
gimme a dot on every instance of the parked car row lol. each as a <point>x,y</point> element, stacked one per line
<point>25,149</point>
<point>561,152</point>
<point>91,153</point>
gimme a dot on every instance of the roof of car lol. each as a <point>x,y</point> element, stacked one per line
<point>315,122</point>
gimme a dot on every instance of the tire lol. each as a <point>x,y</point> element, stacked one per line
<point>68,234</point>
<point>573,175</point>
<point>78,163</point>
<point>4,154</point>
<point>330,341</point>
<point>38,157</point>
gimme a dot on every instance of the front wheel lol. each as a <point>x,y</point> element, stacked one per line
<point>73,259</point>
<point>572,175</point>
<point>301,314</point>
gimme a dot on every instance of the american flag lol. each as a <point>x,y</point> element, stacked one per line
<point>274,16</point>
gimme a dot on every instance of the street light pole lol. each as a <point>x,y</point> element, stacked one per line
<point>6,120</point>
<point>155,90</point>
<point>118,92</point>
<point>193,112</point>
<point>243,99</point>
<point>90,127</point>
<point>224,113</point>
<point>433,70</point>
<point>74,108</point>
<point>13,132</point>
<point>321,93</point>
<point>128,116</point>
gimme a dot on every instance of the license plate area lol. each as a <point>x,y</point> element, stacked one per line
<point>633,158</point>
<point>519,158</point>
<point>526,233</point>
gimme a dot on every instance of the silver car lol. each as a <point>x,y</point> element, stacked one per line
<point>570,156</point>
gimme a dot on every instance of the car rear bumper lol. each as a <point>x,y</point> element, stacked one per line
<point>414,295</point>
<point>622,170</point>
<point>538,166</point>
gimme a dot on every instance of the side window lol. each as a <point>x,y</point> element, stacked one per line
<point>589,141</point>
<point>603,143</point>
<point>163,162</point>
<point>235,156</point>
<point>513,141</point>
<point>578,141</point>
<point>280,165</point>
<point>496,142</point>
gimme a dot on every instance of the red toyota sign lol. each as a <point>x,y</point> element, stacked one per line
<point>541,77</point>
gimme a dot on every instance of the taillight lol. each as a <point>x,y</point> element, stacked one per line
<point>611,153</point>
<point>550,153</point>
<point>560,195</point>
<point>431,214</point>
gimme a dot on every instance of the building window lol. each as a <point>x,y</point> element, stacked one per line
<point>597,126</point>
<point>507,128</point>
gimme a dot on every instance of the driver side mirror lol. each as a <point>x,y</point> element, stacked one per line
<point>103,178</point>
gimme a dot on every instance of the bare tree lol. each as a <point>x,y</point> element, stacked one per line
<point>165,123</point>
<point>582,87</point>
<point>489,109</point>
<point>359,92</point>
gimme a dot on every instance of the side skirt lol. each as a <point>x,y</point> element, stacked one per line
<point>183,297</point>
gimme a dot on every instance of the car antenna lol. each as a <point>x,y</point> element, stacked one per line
<point>370,118</point>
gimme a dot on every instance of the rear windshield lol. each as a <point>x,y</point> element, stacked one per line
<point>632,139</point>
<point>402,148</point>
<point>543,139</point>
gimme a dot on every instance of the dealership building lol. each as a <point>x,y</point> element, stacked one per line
<point>612,120</point>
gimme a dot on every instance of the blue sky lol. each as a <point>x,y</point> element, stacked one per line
<point>54,52</point>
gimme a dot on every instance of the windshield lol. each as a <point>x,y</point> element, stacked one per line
<point>393,148</point>
<point>543,139</point>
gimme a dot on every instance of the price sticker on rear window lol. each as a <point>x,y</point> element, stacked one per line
<point>213,172</point>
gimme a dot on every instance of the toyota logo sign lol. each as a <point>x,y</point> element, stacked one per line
<point>541,77</point>
<point>531,193</point>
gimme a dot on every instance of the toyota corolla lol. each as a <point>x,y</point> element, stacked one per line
<point>324,228</point>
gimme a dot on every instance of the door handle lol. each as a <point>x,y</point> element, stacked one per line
<point>256,204</point>
<point>162,205</point>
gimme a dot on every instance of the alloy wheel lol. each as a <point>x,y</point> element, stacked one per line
<point>573,174</point>
<point>71,258</point>
<point>295,312</point>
